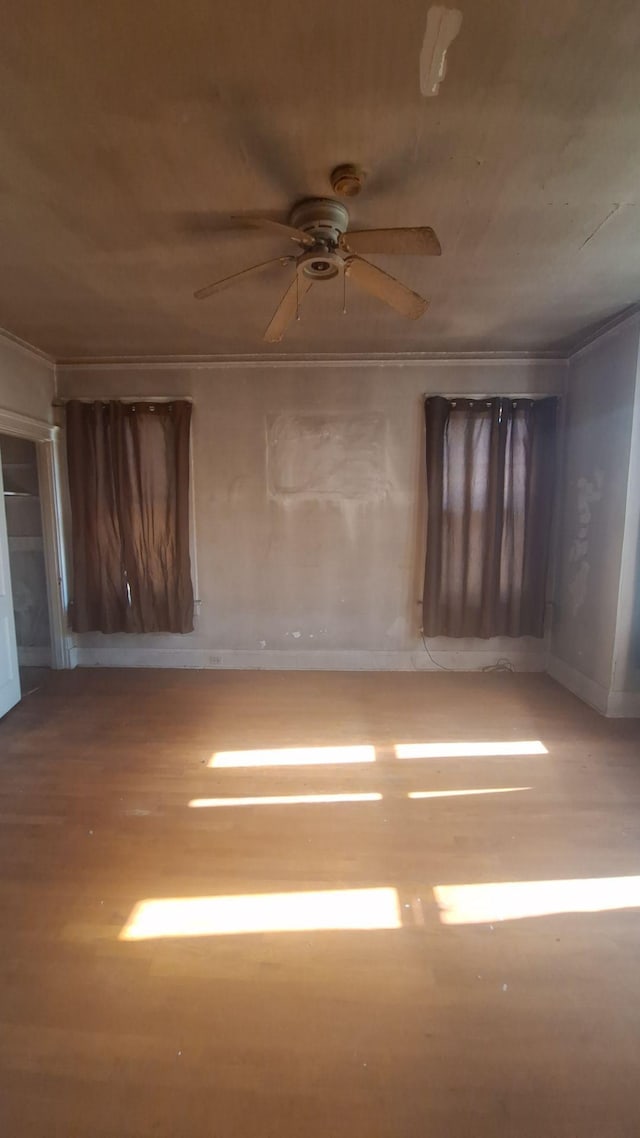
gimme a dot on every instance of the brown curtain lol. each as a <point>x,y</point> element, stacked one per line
<point>490,476</point>
<point>129,488</point>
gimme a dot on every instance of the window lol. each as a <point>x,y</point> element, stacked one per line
<point>490,471</point>
<point>129,490</point>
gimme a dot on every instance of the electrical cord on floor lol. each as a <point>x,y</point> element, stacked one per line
<point>501,665</point>
<point>442,667</point>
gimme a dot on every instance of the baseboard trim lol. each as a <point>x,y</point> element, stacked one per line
<point>585,688</point>
<point>323,661</point>
<point>624,705</point>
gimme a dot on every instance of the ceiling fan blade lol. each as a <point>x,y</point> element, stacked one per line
<point>218,286</point>
<point>290,231</point>
<point>286,310</point>
<point>375,281</point>
<point>420,241</point>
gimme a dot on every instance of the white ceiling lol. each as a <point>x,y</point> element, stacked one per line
<point>129,131</point>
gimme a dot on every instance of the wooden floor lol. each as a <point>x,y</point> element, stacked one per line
<point>526,1027</point>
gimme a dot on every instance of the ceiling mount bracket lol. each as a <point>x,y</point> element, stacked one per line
<point>347,180</point>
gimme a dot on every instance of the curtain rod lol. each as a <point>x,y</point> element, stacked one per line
<point>492,395</point>
<point>62,400</point>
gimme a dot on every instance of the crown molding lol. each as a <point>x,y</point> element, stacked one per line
<point>329,359</point>
<point>605,331</point>
<point>24,346</point>
<point>312,360</point>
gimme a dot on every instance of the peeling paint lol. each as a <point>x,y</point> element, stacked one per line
<point>589,491</point>
<point>579,587</point>
<point>443,25</point>
<point>327,457</point>
<point>398,630</point>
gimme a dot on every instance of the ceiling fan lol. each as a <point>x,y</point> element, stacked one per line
<point>320,226</point>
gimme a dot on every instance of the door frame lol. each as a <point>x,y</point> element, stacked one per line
<point>47,438</point>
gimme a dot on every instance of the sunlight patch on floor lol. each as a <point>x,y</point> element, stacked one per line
<point>263,913</point>
<point>514,900</point>
<point>285,800</point>
<point>293,756</point>
<point>468,750</point>
<point>464,793</point>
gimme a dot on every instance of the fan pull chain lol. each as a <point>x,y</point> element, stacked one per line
<point>297,296</point>
<point>344,293</point>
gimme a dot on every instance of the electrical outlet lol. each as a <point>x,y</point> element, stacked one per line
<point>215,661</point>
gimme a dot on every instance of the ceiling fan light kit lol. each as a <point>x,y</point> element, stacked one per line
<point>320,227</point>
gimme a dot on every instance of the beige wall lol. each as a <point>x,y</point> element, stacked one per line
<point>595,520</point>
<point>308,507</point>
<point>626,663</point>
<point>26,382</point>
<point>309,504</point>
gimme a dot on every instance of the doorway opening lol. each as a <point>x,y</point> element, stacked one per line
<point>27,568</point>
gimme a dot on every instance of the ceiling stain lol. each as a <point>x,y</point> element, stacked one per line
<point>602,223</point>
<point>443,25</point>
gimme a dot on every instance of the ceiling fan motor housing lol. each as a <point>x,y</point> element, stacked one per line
<point>323,218</point>
<point>325,221</point>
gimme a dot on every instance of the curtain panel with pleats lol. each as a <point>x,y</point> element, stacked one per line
<point>129,489</point>
<point>490,478</point>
